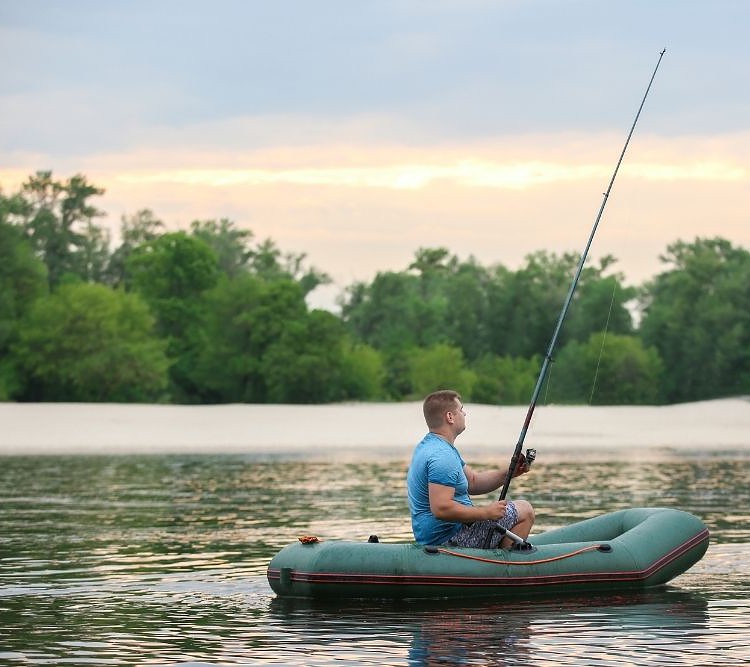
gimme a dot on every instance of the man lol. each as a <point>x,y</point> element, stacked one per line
<point>439,484</point>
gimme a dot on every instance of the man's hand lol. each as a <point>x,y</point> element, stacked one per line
<point>495,510</point>
<point>522,467</point>
<point>444,507</point>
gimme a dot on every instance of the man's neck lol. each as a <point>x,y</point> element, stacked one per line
<point>445,434</point>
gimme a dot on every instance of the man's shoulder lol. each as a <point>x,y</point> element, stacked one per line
<point>438,440</point>
<point>431,442</point>
<point>432,446</point>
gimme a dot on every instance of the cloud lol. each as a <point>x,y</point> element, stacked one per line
<point>352,157</point>
<point>466,173</point>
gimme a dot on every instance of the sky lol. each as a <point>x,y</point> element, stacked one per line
<point>359,131</point>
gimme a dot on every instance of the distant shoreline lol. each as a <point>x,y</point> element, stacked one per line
<point>376,428</point>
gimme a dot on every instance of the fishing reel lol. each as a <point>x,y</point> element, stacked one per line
<point>530,456</point>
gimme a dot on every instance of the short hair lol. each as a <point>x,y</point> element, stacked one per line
<point>437,404</point>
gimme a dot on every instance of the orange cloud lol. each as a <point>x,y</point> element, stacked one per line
<point>356,208</point>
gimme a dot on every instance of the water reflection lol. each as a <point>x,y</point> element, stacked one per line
<point>162,560</point>
<point>574,630</point>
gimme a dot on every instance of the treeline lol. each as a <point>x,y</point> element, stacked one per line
<point>210,315</point>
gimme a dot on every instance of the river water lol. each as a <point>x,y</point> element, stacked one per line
<point>161,560</point>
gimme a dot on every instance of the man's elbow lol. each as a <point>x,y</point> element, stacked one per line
<point>442,512</point>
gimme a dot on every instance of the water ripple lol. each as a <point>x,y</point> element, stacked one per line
<point>161,561</point>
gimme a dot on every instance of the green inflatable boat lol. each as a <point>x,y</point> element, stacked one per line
<point>629,550</point>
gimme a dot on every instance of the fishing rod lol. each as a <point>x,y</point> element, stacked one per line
<point>531,453</point>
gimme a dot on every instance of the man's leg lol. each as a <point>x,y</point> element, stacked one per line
<point>521,523</point>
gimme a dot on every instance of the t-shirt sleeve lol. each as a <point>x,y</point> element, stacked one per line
<point>443,470</point>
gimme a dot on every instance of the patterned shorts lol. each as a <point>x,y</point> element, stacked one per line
<point>480,534</point>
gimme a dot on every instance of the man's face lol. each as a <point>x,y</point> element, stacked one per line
<point>458,417</point>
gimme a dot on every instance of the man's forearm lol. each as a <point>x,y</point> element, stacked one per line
<point>486,481</point>
<point>455,511</point>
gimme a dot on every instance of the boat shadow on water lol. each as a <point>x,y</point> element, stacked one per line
<point>453,632</point>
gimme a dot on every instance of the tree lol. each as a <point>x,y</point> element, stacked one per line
<point>268,262</point>
<point>58,219</point>
<point>385,313</point>
<point>23,279</point>
<point>172,272</point>
<point>305,364</point>
<point>93,256</point>
<point>600,302</point>
<point>452,303</point>
<point>429,303</point>
<point>697,315</point>
<point>430,263</point>
<point>90,343</point>
<point>527,305</point>
<point>505,380</point>
<point>173,266</point>
<point>486,313</point>
<point>230,245</point>
<point>609,369</point>
<point>135,230</point>
<point>466,318</point>
<point>265,346</point>
<point>364,372</point>
<point>524,306</point>
<point>439,367</point>
<point>244,317</point>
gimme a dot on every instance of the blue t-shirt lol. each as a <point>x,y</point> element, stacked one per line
<point>434,461</point>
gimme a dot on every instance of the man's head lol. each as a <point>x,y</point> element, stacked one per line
<point>444,412</point>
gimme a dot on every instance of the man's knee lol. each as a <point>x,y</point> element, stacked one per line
<point>525,511</point>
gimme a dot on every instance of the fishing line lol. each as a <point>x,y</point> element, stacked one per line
<point>604,338</point>
<point>547,385</point>
<point>548,356</point>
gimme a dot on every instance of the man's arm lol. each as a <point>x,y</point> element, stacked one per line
<point>490,480</point>
<point>445,508</point>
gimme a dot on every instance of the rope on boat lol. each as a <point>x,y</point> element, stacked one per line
<point>448,552</point>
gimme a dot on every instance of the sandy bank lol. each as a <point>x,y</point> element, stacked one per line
<point>386,428</point>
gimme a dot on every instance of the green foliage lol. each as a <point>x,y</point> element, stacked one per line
<point>135,230</point>
<point>172,266</point>
<point>23,279</point>
<point>465,320</point>
<point>530,304</point>
<point>305,364</point>
<point>609,369</point>
<point>697,315</point>
<point>444,303</point>
<point>232,318</point>
<point>601,302</point>
<point>266,347</point>
<point>505,380</point>
<point>230,245</point>
<point>483,310</point>
<point>397,383</point>
<point>440,366</point>
<point>524,306</point>
<point>244,317</point>
<point>384,314</point>
<point>90,343</point>
<point>172,272</point>
<point>364,372</point>
<point>58,219</point>
<point>268,262</point>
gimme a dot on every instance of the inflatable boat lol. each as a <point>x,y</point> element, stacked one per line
<point>628,550</point>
